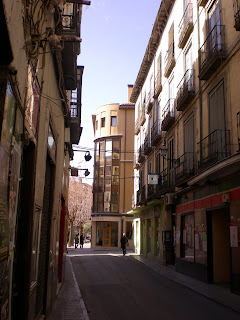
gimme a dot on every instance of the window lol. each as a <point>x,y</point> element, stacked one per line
<point>113,121</point>
<point>188,237</point>
<point>102,122</point>
<point>96,124</point>
<point>106,175</point>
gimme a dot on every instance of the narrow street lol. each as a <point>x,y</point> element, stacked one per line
<point>116,287</point>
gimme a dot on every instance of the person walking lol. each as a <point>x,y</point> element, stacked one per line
<point>81,241</point>
<point>76,240</point>
<point>124,241</point>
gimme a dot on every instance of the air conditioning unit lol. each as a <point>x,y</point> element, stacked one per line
<point>169,199</point>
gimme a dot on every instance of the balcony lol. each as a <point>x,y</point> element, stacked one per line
<point>141,195</point>
<point>141,157</point>
<point>236,8</point>
<point>156,133</point>
<point>186,90</point>
<point>185,26</point>
<point>214,148</point>
<point>158,85</point>
<point>136,164</point>
<point>168,115</point>
<point>184,168</point>
<point>151,191</point>
<point>167,182</point>
<point>149,103</point>
<point>137,127</point>
<point>212,53</point>
<point>147,145</point>
<point>169,61</point>
<point>70,36</point>
<point>142,115</point>
<point>202,3</point>
<point>75,109</point>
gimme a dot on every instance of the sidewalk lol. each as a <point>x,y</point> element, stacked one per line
<point>69,304</point>
<point>216,293</point>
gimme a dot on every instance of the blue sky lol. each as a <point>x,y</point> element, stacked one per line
<point>115,35</point>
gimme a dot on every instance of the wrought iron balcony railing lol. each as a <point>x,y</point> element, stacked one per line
<point>156,133</point>
<point>186,90</point>
<point>214,148</point>
<point>142,115</point>
<point>151,191</point>
<point>141,195</point>
<point>184,167</point>
<point>137,127</point>
<point>169,61</point>
<point>141,156</point>
<point>236,8</point>
<point>212,52</point>
<point>149,103</point>
<point>168,115</point>
<point>135,161</point>
<point>147,145</point>
<point>69,21</point>
<point>158,85</point>
<point>74,104</point>
<point>185,26</point>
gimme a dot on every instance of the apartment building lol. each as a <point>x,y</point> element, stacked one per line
<point>187,141</point>
<point>113,174</point>
<point>40,119</point>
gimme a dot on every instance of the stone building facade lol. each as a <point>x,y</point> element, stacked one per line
<point>40,104</point>
<point>187,141</point>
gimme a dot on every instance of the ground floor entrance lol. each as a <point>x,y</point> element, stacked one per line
<point>107,234</point>
<point>219,270</point>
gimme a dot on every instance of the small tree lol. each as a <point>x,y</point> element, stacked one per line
<point>78,214</point>
<point>87,227</point>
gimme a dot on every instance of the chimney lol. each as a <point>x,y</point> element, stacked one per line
<point>130,88</point>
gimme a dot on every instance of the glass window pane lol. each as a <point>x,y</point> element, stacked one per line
<point>115,170</point>
<point>99,233</point>
<point>114,234</point>
<point>100,206</point>
<point>115,180</point>
<point>102,122</point>
<point>101,171</point>
<point>116,145</point>
<point>114,207</point>
<point>108,170</point>
<point>113,121</point>
<point>100,181</point>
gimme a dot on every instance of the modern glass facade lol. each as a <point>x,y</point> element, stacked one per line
<point>106,175</point>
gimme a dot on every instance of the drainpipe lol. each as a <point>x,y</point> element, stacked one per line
<point>124,180</point>
<point>199,86</point>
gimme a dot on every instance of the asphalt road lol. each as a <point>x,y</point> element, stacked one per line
<point>116,287</point>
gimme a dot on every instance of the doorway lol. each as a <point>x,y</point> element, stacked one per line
<point>219,270</point>
<point>106,234</point>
